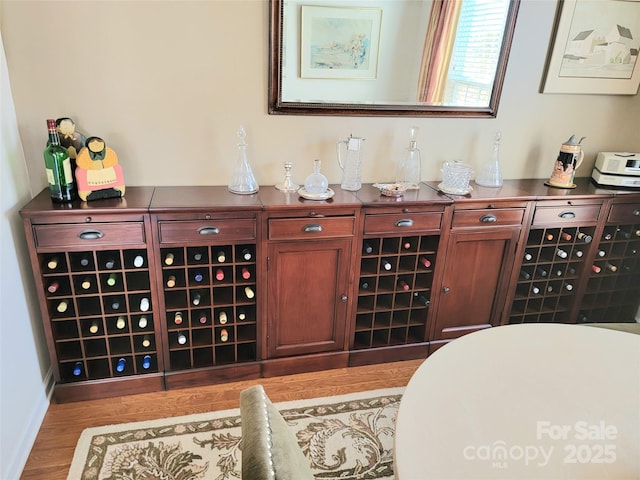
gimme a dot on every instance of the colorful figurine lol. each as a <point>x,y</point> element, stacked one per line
<point>70,139</point>
<point>98,173</point>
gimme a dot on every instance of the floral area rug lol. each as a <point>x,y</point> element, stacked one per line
<point>349,437</point>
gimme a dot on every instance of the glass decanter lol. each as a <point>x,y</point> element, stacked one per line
<point>409,170</point>
<point>243,181</point>
<point>316,183</point>
<point>490,174</point>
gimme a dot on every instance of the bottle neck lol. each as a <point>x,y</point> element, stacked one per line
<point>53,137</point>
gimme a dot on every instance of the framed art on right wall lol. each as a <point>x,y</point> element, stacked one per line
<point>594,48</point>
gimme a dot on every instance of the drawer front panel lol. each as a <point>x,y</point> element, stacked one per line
<point>310,228</point>
<point>490,217</point>
<point>89,234</point>
<point>566,215</point>
<point>401,223</point>
<point>625,213</point>
<point>209,231</point>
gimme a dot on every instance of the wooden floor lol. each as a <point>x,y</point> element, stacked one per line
<point>52,452</point>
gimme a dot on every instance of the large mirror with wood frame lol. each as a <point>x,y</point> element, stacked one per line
<point>443,58</point>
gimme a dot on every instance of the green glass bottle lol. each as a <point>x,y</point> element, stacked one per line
<point>58,165</point>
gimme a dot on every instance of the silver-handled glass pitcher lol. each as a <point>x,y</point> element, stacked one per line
<point>352,164</point>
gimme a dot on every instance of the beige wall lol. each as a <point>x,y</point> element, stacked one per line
<point>167,84</point>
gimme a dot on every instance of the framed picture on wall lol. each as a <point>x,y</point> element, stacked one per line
<point>339,42</point>
<point>594,48</point>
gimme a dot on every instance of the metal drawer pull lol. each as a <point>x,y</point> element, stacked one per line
<point>312,228</point>
<point>406,222</point>
<point>208,230</point>
<point>90,234</point>
<point>567,215</point>
<point>636,213</point>
<point>488,218</point>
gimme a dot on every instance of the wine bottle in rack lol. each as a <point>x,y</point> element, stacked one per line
<point>182,338</point>
<point>425,262</point>
<point>422,300</point>
<point>611,267</point>
<point>571,271</point>
<point>110,263</point>
<point>146,341</point>
<point>242,315</point>
<point>549,288</point>
<point>195,299</point>
<point>198,277</point>
<point>247,254</point>
<point>112,280</point>
<point>624,234</point>
<point>138,261</point>
<point>578,253</point>
<point>52,263</point>
<point>364,285</point>
<point>566,236</point>
<point>249,293</point>
<point>94,327</point>
<point>596,269</point>
<point>62,306</point>
<point>53,287</point>
<point>637,233</point>
<point>528,256</point>
<point>385,265</point>
<point>143,322</point>
<point>524,275</point>
<point>403,285</point>
<point>202,318</point>
<point>602,253</point>
<point>219,274</point>
<point>169,258</point>
<point>77,369</point>
<point>146,362</point>
<point>406,245</point>
<point>222,317</point>
<point>246,274</point>
<point>549,237</point>
<point>224,335</point>
<point>86,283</point>
<point>120,366</point>
<point>84,262</point>
<point>541,272</point>
<point>568,287</point>
<point>607,236</point>
<point>171,281</point>
<point>367,248</point>
<point>535,290</point>
<point>177,318</point>
<point>558,272</point>
<point>144,304</point>
<point>115,305</point>
<point>583,237</point>
<point>197,256</point>
<point>561,253</point>
<point>121,323</point>
<point>222,256</point>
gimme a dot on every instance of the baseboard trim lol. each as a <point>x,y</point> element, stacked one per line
<point>28,435</point>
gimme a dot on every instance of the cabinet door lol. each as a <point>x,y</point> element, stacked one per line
<point>477,269</point>
<point>307,296</point>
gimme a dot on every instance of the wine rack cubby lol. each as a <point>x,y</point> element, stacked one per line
<point>101,313</point>
<point>612,289</point>
<point>394,293</point>
<point>553,264</point>
<point>210,304</point>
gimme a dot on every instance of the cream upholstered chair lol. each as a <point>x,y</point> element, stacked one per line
<point>270,450</point>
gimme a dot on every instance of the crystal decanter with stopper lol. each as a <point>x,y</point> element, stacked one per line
<point>409,170</point>
<point>243,181</point>
<point>490,174</point>
<point>316,183</point>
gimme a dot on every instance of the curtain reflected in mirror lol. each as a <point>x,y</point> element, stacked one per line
<point>424,57</point>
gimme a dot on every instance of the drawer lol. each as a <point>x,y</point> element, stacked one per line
<point>207,231</point>
<point>625,213</point>
<point>488,217</point>
<point>569,214</point>
<point>123,233</point>
<point>309,228</point>
<point>402,222</point>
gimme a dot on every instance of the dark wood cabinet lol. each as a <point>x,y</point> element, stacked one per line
<point>94,271</point>
<point>172,287</point>
<point>480,253</point>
